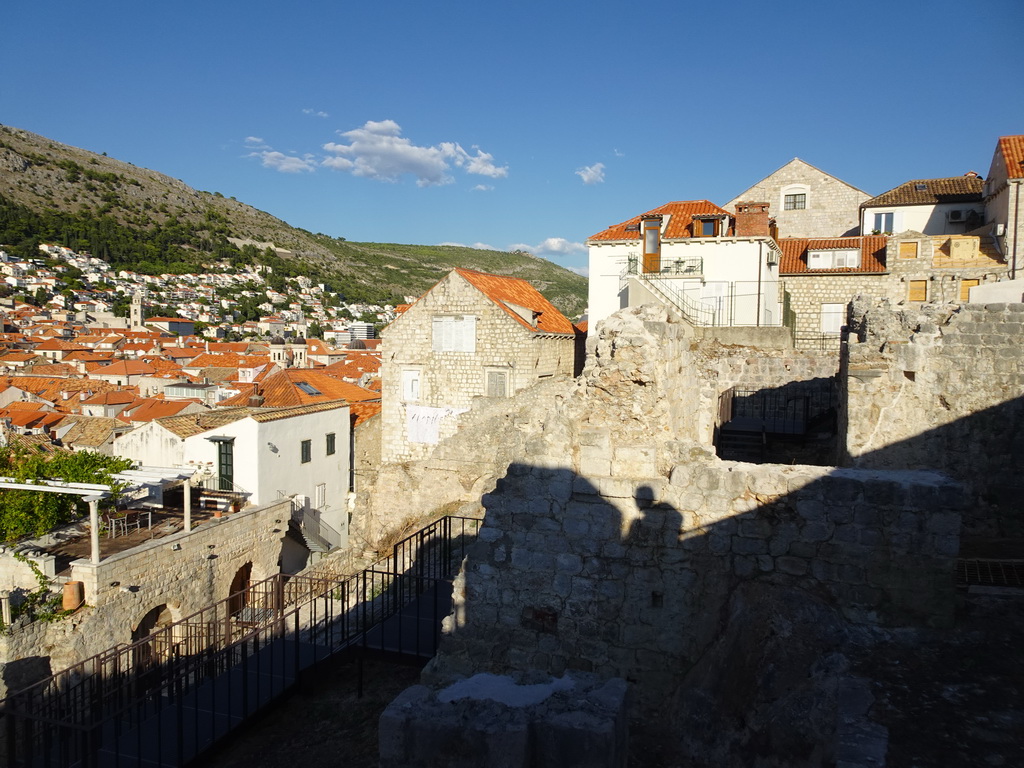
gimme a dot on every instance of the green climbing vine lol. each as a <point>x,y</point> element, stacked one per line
<point>39,604</point>
<point>33,513</point>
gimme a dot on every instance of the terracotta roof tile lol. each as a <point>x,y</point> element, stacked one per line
<point>1012,150</point>
<point>953,189</point>
<point>363,411</point>
<point>191,424</point>
<point>680,215</point>
<point>302,386</point>
<point>513,290</point>
<point>89,431</point>
<point>794,254</point>
<point>151,409</point>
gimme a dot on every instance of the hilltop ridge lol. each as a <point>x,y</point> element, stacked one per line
<point>54,192</point>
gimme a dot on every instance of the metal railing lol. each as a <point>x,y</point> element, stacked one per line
<point>168,697</point>
<point>221,483</point>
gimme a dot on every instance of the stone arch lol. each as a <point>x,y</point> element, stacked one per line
<point>148,654</point>
<point>238,592</point>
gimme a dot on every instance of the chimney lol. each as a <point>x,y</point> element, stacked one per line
<point>752,220</point>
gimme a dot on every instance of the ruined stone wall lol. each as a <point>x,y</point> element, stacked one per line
<point>457,380</point>
<point>615,544</point>
<point>120,590</point>
<point>630,577</point>
<point>941,386</point>
<point>807,292</point>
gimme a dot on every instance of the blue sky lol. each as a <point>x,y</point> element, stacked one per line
<point>513,125</point>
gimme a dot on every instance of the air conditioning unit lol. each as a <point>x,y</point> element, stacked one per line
<point>956,215</point>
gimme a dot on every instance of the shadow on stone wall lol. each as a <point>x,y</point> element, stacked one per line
<point>984,451</point>
<point>728,595</point>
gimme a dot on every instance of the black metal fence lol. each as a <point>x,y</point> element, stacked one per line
<point>165,699</point>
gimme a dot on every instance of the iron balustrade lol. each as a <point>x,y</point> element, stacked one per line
<point>170,696</point>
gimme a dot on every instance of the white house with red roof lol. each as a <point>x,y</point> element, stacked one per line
<point>945,206</point>
<point>713,267</point>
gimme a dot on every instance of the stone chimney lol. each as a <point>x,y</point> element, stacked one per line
<point>752,220</point>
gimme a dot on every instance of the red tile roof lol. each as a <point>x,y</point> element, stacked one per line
<point>125,368</point>
<point>360,412</point>
<point>953,189</point>
<point>283,390</point>
<point>681,216</point>
<point>228,360</point>
<point>1012,149</point>
<point>513,290</point>
<point>150,409</point>
<point>354,365</point>
<point>794,254</point>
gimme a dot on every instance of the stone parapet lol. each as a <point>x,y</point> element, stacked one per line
<point>489,721</point>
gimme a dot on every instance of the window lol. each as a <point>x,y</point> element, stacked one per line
<point>331,444</point>
<point>918,290</point>
<point>306,447</point>
<point>883,222</point>
<point>410,386</point>
<point>497,383</point>
<point>309,389</point>
<point>321,495</point>
<point>833,318</point>
<point>834,259</point>
<point>454,334</point>
<point>794,202</point>
<point>705,227</point>
<point>652,245</point>
<point>908,250</point>
<point>965,289</point>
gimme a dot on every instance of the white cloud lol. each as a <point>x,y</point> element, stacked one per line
<point>591,174</point>
<point>285,163</point>
<point>482,188</point>
<point>253,140</point>
<point>552,246</point>
<point>617,153</point>
<point>315,113</point>
<point>478,246</point>
<point>379,151</point>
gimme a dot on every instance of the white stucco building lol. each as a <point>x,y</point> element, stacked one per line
<point>947,206</point>
<point>713,267</point>
<point>264,452</point>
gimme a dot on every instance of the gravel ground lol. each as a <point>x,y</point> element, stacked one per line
<point>322,723</point>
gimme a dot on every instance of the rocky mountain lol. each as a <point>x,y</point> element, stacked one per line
<point>152,223</point>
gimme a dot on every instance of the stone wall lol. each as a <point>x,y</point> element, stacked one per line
<point>457,472</point>
<point>629,577</point>
<point>941,386</point>
<point>617,544</point>
<point>808,291</point>
<point>457,380</point>
<point>942,274</point>
<point>833,206</point>
<point>120,590</point>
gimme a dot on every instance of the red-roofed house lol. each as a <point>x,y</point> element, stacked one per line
<point>1004,200</point>
<point>472,335</point>
<point>712,267</point>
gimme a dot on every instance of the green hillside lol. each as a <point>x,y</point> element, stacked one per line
<point>145,221</point>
